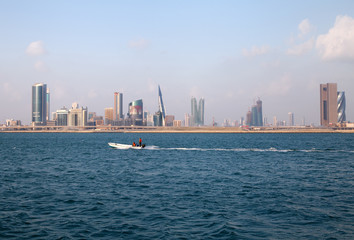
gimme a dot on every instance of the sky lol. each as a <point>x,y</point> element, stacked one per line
<point>228,52</point>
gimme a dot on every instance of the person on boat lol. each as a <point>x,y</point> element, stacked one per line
<point>140,142</point>
<point>134,145</point>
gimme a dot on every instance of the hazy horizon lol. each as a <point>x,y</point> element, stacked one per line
<point>228,52</point>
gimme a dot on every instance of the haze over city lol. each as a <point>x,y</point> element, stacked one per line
<point>227,52</point>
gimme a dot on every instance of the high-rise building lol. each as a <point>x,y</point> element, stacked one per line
<point>118,106</point>
<point>162,108</point>
<point>254,120</point>
<point>39,104</point>
<point>248,118</point>
<point>157,119</point>
<point>197,112</point>
<point>201,112</point>
<point>259,113</point>
<point>194,112</point>
<point>341,107</point>
<point>291,119</point>
<point>108,116</point>
<point>62,117</point>
<point>241,122</point>
<point>149,119</point>
<point>328,105</point>
<point>77,116</point>
<point>265,121</point>
<point>91,116</point>
<point>275,121</point>
<point>187,120</point>
<point>135,112</point>
<point>169,120</point>
<point>48,104</point>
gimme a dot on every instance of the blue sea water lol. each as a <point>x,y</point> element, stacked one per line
<point>183,186</point>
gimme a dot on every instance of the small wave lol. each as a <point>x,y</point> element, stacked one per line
<point>228,149</point>
<point>152,147</point>
<point>272,149</point>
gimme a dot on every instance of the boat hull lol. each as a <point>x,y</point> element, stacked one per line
<point>124,146</point>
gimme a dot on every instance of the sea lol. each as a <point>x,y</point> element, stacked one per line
<point>181,186</point>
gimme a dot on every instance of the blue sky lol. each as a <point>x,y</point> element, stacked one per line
<point>229,52</point>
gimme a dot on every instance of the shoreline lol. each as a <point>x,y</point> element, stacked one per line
<point>181,130</point>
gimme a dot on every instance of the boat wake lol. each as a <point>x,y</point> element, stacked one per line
<point>250,150</point>
<point>272,149</point>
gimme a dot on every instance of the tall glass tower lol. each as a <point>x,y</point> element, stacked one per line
<point>162,108</point>
<point>39,104</point>
<point>194,112</point>
<point>341,107</point>
<point>197,112</point>
<point>254,119</point>
<point>48,105</point>
<point>118,106</point>
<point>259,113</point>
<point>201,111</point>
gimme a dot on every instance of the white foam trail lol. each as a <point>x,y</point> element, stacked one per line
<point>272,149</point>
<point>228,149</point>
<point>250,150</point>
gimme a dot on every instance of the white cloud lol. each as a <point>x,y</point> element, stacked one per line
<point>338,43</point>
<point>304,27</point>
<point>301,48</point>
<point>255,51</point>
<point>35,49</point>
<point>139,44</point>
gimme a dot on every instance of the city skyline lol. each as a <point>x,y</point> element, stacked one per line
<point>224,51</point>
<point>332,111</point>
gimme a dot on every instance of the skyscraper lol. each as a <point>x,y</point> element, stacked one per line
<point>259,113</point>
<point>256,117</point>
<point>249,118</point>
<point>48,104</point>
<point>108,116</point>
<point>136,112</point>
<point>187,120</point>
<point>39,104</point>
<point>328,104</point>
<point>341,107</point>
<point>201,112</point>
<point>118,106</point>
<point>291,119</point>
<point>62,117</point>
<point>194,112</point>
<point>162,108</point>
<point>197,112</point>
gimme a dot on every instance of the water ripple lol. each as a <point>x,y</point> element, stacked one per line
<point>73,186</point>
